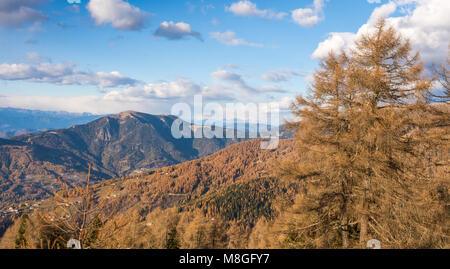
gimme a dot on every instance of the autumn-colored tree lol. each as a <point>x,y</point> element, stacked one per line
<point>443,74</point>
<point>21,241</point>
<point>93,232</point>
<point>76,214</point>
<point>172,241</point>
<point>362,137</point>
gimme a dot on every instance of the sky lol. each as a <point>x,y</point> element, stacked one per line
<point>108,56</point>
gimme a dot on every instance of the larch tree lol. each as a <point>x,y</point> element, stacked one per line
<point>76,214</point>
<point>443,74</point>
<point>360,136</point>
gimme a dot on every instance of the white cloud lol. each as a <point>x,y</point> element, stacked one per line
<point>335,42</point>
<point>249,9</point>
<point>281,75</point>
<point>226,75</point>
<point>235,79</point>
<point>182,87</point>
<point>382,12</point>
<point>239,83</point>
<point>154,97</point>
<point>107,80</point>
<point>306,17</point>
<point>120,14</point>
<point>219,92</point>
<point>425,22</point>
<point>374,1</point>
<point>60,73</point>
<point>309,17</point>
<point>112,102</point>
<point>80,104</point>
<point>229,38</point>
<point>176,31</point>
<point>285,102</point>
<point>272,88</point>
<point>16,13</point>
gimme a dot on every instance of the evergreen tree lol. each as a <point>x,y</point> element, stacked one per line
<point>361,138</point>
<point>21,241</point>
<point>93,232</point>
<point>172,239</point>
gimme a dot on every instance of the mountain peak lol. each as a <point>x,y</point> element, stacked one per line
<point>130,114</point>
<point>127,113</point>
<point>115,145</point>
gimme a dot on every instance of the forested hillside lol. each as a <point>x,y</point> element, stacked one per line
<point>115,145</point>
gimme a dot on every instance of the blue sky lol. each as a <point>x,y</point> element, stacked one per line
<point>105,56</point>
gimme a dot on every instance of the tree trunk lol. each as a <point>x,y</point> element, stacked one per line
<point>344,227</point>
<point>364,217</point>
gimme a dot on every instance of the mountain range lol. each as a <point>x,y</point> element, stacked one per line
<point>18,121</point>
<point>116,145</point>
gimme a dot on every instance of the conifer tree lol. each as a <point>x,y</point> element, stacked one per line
<point>94,231</point>
<point>361,137</point>
<point>172,241</point>
<point>21,241</point>
<point>76,214</point>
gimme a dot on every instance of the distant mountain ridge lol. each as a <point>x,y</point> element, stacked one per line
<point>17,121</point>
<point>115,145</point>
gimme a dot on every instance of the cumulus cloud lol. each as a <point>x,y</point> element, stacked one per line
<point>154,97</point>
<point>281,75</point>
<point>309,17</point>
<point>336,42</point>
<point>425,22</point>
<point>272,88</point>
<point>120,14</point>
<point>239,83</point>
<point>176,31</point>
<point>111,102</point>
<point>306,17</point>
<point>248,9</point>
<point>60,73</point>
<point>80,104</point>
<point>182,87</point>
<point>229,38</point>
<point>226,75</point>
<point>107,80</point>
<point>16,13</point>
<point>167,92</point>
<point>235,79</point>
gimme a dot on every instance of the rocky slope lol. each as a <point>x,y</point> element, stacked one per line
<point>115,145</point>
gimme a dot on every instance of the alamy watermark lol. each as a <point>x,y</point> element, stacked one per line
<point>232,120</point>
